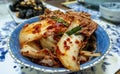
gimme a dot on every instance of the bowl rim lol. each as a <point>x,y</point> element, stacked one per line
<point>54,71</point>
<point>108,9</point>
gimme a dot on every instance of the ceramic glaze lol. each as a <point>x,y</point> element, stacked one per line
<point>103,44</point>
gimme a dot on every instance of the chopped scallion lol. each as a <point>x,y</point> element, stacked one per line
<point>74,30</point>
<point>59,20</point>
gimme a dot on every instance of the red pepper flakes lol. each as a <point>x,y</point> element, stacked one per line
<point>73,57</point>
<point>77,42</point>
<point>26,25</point>
<point>66,46</point>
<point>36,29</point>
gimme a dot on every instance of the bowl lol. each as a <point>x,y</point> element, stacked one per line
<point>110,11</point>
<point>103,44</point>
<point>97,2</point>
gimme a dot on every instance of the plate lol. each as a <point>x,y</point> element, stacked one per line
<point>103,44</point>
<point>109,65</point>
<point>18,20</point>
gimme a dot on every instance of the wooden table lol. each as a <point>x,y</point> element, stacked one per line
<point>57,3</point>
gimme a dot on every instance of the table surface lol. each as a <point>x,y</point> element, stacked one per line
<point>109,65</point>
<point>57,3</point>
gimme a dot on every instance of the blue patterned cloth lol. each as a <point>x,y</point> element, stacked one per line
<point>109,65</point>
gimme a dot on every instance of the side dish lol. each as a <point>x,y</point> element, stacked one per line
<point>27,8</point>
<point>60,39</point>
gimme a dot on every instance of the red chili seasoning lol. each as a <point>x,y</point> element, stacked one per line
<point>36,29</point>
<point>51,22</point>
<point>68,39</point>
<point>26,25</point>
<point>77,42</point>
<point>66,46</point>
<point>73,57</point>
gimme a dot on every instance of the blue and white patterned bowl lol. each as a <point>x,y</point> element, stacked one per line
<point>103,44</point>
<point>110,11</point>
